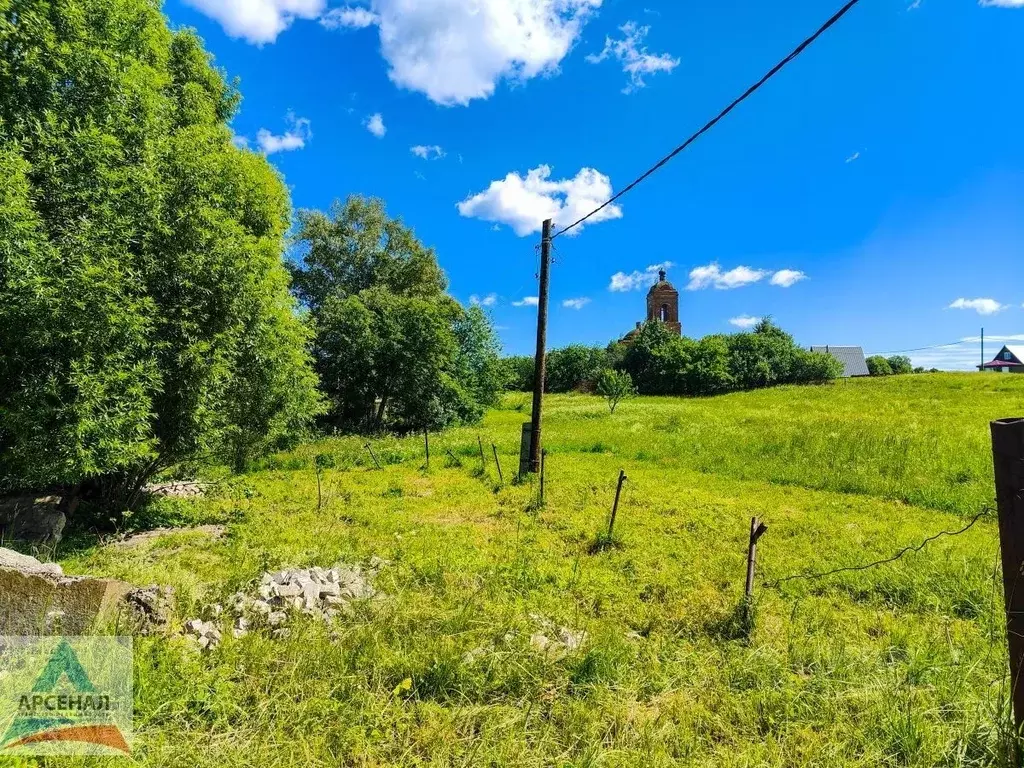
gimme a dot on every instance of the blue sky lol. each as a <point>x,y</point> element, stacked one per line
<point>872,193</point>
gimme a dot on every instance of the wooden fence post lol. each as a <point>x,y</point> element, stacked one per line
<point>372,455</point>
<point>757,530</point>
<point>543,457</point>
<point>615,505</point>
<point>1008,459</point>
<point>501,477</point>
<point>426,445</point>
<point>483,461</point>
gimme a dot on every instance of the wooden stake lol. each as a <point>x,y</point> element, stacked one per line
<point>372,456</point>
<point>543,456</point>
<point>501,477</point>
<point>483,461</point>
<point>615,506</point>
<point>1008,458</point>
<point>426,445</point>
<point>757,530</point>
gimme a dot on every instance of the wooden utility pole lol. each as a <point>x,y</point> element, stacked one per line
<point>542,341</point>
<point>1008,458</point>
<point>757,530</point>
<point>543,456</point>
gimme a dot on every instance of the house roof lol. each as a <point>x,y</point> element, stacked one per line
<point>852,359</point>
<point>999,362</point>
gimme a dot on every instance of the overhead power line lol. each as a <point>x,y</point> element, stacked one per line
<point>921,349</point>
<point>709,125</point>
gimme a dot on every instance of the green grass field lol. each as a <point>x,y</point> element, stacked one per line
<point>903,664</point>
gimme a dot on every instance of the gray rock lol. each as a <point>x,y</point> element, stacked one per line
<point>16,561</point>
<point>38,520</point>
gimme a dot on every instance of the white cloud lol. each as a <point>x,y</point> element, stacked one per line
<point>524,203</point>
<point>637,280</point>
<point>425,152</point>
<point>295,137</point>
<point>579,303</point>
<point>1002,3</point>
<point>787,277</point>
<point>745,321</point>
<point>632,54</point>
<point>258,21</point>
<point>348,17</point>
<point>712,275</point>
<point>455,51</point>
<point>527,301</point>
<point>375,125</point>
<point>853,157</point>
<point>242,142</point>
<point>981,306</point>
<point>487,301</point>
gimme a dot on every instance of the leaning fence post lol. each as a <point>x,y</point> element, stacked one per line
<point>501,477</point>
<point>543,456</point>
<point>1008,459</point>
<point>483,461</point>
<point>372,456</point>
<point>615,505</point>
<point>757,530</point>
<point>426,445</point>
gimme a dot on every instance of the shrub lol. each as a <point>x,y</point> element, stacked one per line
<point>879,366</point>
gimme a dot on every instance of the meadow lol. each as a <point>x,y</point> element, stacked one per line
<point>901,664</point>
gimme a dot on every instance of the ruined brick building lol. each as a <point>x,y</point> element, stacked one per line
<point>662,305</point>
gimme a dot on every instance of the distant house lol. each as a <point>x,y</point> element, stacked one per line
<point>1009,360</point>
<point>852,359</point>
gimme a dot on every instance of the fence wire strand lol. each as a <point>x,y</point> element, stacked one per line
<point>986,511</point>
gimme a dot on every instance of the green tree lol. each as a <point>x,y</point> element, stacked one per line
<point>879,366</point>
<point>517,373</point>
<point>392,349</point>
<point>614,386</point>
<point>141,276</point>
<point>574,368</point>
<point>900,364</point>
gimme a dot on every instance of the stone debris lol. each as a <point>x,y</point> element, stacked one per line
<point>150,608</point>
<point>179,489</point>
<point>204,632</point>
<point>324,593</point>
<point>32,519</point>
<point>554,641</point>
<point>215,532</point>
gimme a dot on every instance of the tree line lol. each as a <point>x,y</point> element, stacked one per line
<point>658,362</point>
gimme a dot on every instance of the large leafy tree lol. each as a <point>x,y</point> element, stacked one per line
<point>393,350</point>
<point>144,306</point>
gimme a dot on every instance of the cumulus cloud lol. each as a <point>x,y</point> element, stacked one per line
<point>295,137</point>
<point>375,125</point>
<point>523,203</point>
<point>426,152</point>
<point>487,301</point>
<point>258,21</point>
<point>787,277</point>
<point>637,280</point>
<point>712,275</point>
<point>745,322</point>
<point>242,142</point>
<point>348,17</point>
<point>579,303</point>
<point>631,52</point>
<point>527,301</point>
<point>981,306</point>
<point>455,51</point>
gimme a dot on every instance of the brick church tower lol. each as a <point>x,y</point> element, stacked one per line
<point>663,304</point>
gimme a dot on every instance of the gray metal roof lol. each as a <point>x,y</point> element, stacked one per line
<point>852,359</point>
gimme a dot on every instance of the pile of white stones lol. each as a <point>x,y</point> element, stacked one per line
<point>554,641</point>
<point>325,593</point>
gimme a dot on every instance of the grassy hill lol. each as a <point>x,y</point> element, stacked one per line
<point>902,664</point>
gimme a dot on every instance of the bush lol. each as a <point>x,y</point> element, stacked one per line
<point>900,364</point>
<point>575,368</point>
